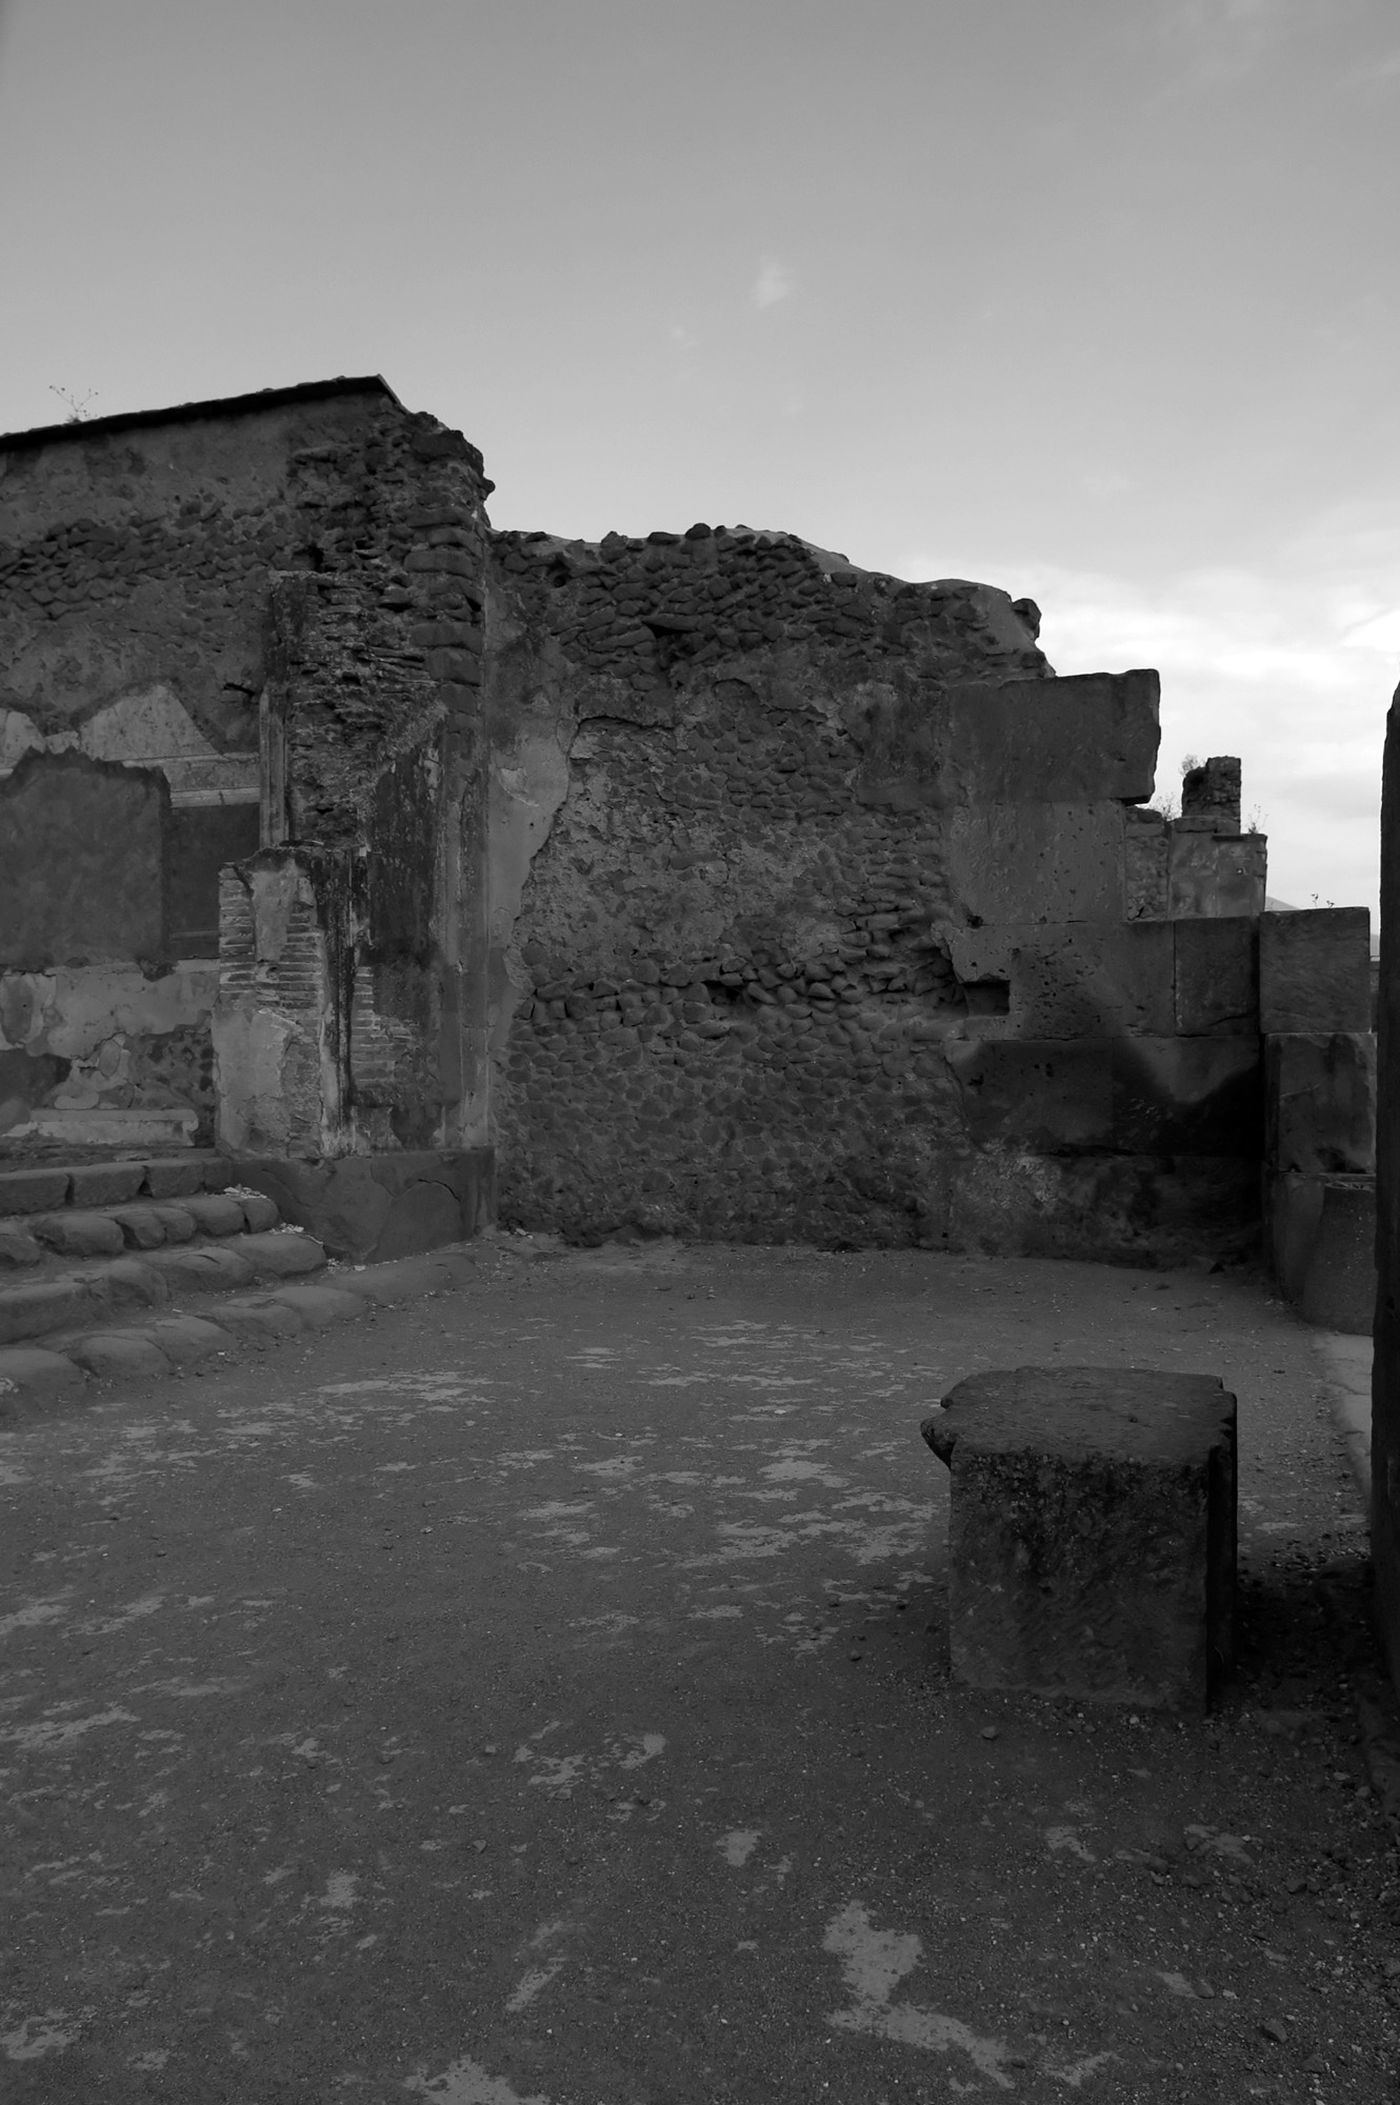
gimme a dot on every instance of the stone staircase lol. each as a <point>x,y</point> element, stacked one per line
<point>101,1259</point>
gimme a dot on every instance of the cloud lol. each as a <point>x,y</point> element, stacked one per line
<point>774,282</point>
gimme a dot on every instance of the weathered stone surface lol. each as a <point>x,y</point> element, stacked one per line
<point>176,1221</point>
<point>104,1183</point>
<point>31,1371</point>
<point>1038,861</point>
<point>1188,1096</point>
<point>1322,1232</point>
<point>214,1214</point>
<point>1210,795</point>
<point>212,1270</point>
<point>1217,976</point>
<point>1211,873</point>
<point>1114,1209</point>
<point>119,1355</point>
<point>259,1212</point>
<point>142,1226</point>
<point>1083,980</point>
<point>370,1208</point>
<point>79,1234</point>
<point>42,1305</point>
<point>320,1305</point>
<point>262,1318</point>
<point>1320,1102</point>
<point>17,1248</point>
<point>1084,738</point>
<point>130,1282</point>
<point>32,1190</point>
<point>185,1340</point>
<point>1315,970</point>
<point>1046,1097</point>
<point>1092,1540</point>
<point>282,1253</point>
<point>174,1177</point>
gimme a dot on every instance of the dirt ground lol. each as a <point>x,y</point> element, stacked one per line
<point>538,1695</point>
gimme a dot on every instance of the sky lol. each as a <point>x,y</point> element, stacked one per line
<point>1095,300</point>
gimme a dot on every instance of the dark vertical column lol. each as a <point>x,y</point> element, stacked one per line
<point>1385,1380</point>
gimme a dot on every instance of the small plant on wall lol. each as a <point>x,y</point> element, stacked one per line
<point>76,405</point>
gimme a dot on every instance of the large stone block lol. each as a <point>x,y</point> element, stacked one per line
<point>1091,1549</point>
<point>1211,873</point>
<point>1188,1096</point>
<point>1045,1097</point>
<point>1315,970</point>
<point>1217,976</point>
<point>1322,1244</point>
<point>1037,862</point>
<point>1078,980</point>
<point>1320,1102</point>
<point>373,1207</point>
<point>1084,738</point>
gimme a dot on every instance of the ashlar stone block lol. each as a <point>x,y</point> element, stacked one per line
<point>1315,970</point>
<point>1188,1096</point>
<point>1217,976</point>
<point>1320,1102</point>
<point>1083,738</point>
<point>1212,873</point>
<point>1050,1097</point>
<point>1092,1542</point>
<point>1037,862</point>
<point>1076,980</point>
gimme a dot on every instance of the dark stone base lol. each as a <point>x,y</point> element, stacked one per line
<point>369,1208</point>
<point>1092,1545</point>
<point>1322,1240</point>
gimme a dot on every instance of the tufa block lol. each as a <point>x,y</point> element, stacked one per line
<point>1091,1549</point>
<point>1320,1102</point>
<point>1315,970</point>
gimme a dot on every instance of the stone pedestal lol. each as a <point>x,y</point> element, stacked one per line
<point>1092,1544</point>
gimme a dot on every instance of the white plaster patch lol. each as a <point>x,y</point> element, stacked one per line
<point>793,1469</point>
<point>559,1509</point>
<point>714,1615</point>
<point>48,1610</point>
<point>1064,1841</point>
<point>532,1984</point>
<point>645,1747</point>
<point>1075,2073</point>
<point>340,1890</point>
<point>36,2036</point>
<point>739,1845</point>
<point>132,1612</point>
<point>53,1733</point>
<point>466,2082</point>
<point>873,1963</point>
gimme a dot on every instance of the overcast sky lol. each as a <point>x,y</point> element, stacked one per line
<point>1095,300</point>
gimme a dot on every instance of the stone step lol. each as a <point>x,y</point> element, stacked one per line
<point>97,1292</point>
<point>28,1186</point>
<point>139,1343</point>
<point>34,1242</point>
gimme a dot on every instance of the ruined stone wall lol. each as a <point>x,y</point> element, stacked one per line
<point>809,905</point>
<point>260,601</point>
